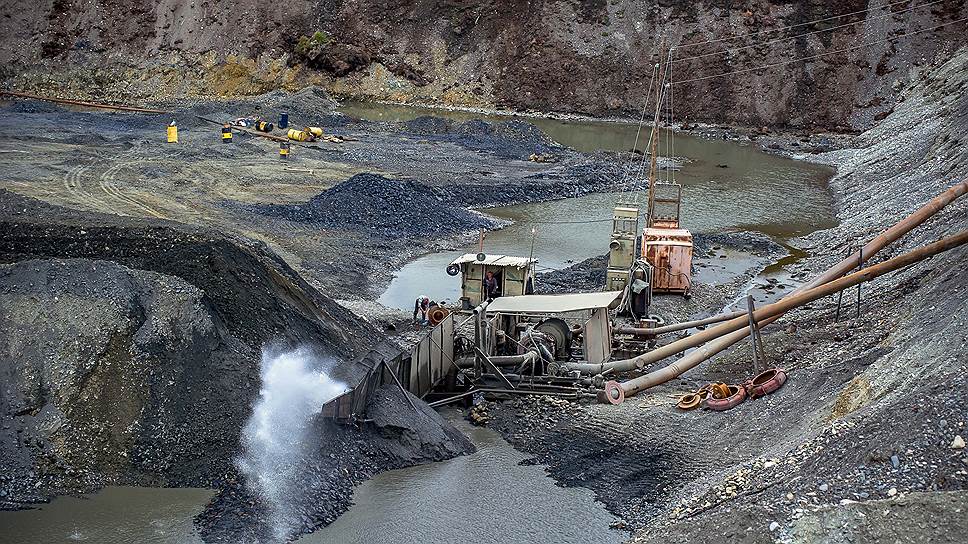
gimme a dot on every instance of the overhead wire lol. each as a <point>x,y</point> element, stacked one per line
<point>798,25</point>
<point>638,130</point>
<point>655,121</point>
<point>819,55</point>
<point>804,34</point>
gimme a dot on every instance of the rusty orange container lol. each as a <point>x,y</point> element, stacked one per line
<point>669,251</point>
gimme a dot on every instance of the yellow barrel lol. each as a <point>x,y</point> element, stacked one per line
<point>298,135</point>
<point>172,134</point>
<point>226,135</point>
<point>284,150</point>
<point>315,131</point>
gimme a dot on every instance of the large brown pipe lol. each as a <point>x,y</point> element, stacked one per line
<point>633,386</point>
<point>879,242</point>
<point>82,103</point>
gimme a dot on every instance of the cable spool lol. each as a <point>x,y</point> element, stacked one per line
<point>453,270</point>
<point>437,314</point>
<point>284,150</point>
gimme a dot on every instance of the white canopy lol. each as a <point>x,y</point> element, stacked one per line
<point>497,260</point>
<point>553,304</point>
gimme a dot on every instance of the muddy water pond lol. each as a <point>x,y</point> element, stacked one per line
<point>115,515</point>
<point>487,495</point>
<point>726,186</point>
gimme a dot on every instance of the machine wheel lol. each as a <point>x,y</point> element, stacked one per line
<point>561,332</point>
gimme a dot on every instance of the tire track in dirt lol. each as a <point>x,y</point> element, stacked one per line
<point>75,187</point>
<point>108,184</point>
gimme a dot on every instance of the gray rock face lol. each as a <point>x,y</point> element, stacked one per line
<point>112,374</point>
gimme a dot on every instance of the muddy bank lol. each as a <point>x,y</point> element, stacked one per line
<point>382,207</point>
<point>873,414</point>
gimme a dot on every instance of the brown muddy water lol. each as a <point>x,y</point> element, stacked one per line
<point>115,515</point>
<point>727,186</point>
<point>487,497</point>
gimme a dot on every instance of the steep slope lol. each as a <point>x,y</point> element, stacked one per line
<point>552,55</point>
<point>130,355</point>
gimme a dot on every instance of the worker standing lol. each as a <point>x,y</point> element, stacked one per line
<point>490,286</point>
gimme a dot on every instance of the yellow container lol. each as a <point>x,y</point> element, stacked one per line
<point>298,135</point>
<point>172,134</point>
<point>315,131</point>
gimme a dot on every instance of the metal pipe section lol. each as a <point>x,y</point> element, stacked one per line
<point>501,360</point>
<point>83,103</point>
<point>763,316</point>
<point>868,251</point>
<point>638,331</point>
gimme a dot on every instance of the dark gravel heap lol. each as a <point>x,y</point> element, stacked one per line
<point>382,207</point>
<point>584,277</point>
<point>509,139</point>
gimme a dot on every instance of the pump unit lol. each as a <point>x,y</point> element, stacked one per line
<point>621,246</point>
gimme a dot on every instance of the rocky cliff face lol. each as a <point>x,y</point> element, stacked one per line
<point>592,57</point>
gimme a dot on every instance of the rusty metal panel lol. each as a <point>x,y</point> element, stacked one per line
<point>436,355</point>
<point>670,253</point>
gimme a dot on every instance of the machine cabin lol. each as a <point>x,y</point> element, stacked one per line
<point>515,275</point>
<point>666,246</point>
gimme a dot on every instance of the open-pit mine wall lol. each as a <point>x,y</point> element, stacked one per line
<point>592,57</point>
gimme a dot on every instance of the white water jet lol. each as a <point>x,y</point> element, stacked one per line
<point>295,387</point>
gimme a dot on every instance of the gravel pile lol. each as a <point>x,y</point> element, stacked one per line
<point>509,139</point>
<point>382,207</point>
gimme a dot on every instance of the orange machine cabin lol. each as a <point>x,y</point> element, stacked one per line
<point>669,251</point>
<point>666,246</point>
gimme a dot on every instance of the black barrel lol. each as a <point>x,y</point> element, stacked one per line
<point>283,120</point>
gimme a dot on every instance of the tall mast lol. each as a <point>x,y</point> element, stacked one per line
<point>653,164</point>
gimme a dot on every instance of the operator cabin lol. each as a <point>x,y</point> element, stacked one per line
<point>514,275</point>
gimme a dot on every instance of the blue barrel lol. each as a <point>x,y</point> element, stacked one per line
<point>283,120</point>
